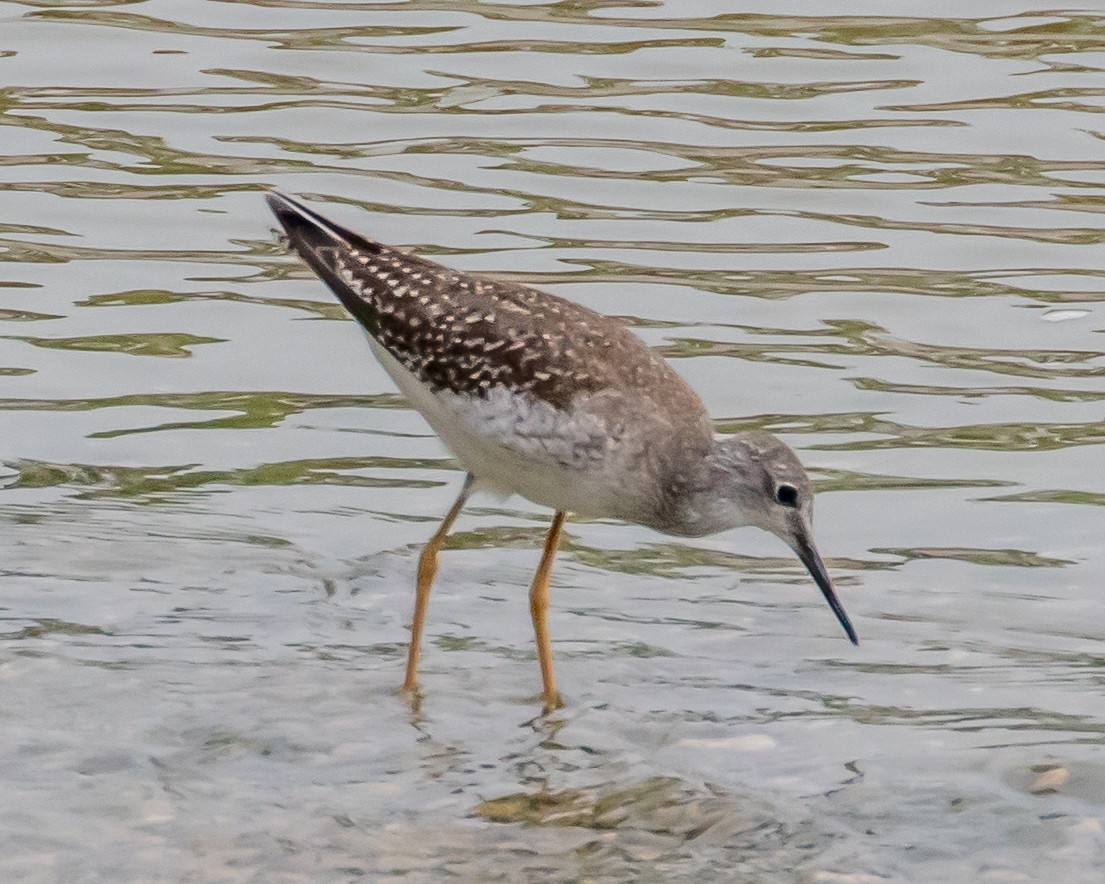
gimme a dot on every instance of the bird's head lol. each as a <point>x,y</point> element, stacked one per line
<point>758,480</point>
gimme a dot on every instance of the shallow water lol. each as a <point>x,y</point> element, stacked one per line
<point>877,235</point>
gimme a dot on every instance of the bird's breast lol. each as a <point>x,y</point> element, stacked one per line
<point>572,458</point>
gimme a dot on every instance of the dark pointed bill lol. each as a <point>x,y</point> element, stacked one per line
<point>807,552</point>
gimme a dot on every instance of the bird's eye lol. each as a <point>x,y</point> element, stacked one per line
<point>787,495</point>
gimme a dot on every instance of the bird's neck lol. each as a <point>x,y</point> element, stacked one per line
<point>700,499</point>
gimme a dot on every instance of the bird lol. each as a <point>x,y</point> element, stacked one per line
<point>539,396</point>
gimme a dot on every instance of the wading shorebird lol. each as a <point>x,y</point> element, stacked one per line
<point>538,396</point>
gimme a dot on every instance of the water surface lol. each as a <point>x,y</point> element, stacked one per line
<point>877,235</point>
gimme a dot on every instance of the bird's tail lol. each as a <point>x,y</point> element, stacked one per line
<point>331,250</point>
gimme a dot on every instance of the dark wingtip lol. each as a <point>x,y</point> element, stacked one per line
<point>293,215</point>
<point>278,203</point>
<point>320,242</point>
<point>307,229</point>
<point>283,205</point>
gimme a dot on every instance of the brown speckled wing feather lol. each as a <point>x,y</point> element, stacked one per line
<point>468,334</point>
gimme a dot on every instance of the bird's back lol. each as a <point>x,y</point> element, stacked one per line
<point>572,377</point>
<point>467,334</point>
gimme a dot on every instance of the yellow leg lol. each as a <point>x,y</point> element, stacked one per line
<point>427,568</point>
<point>539,610</point>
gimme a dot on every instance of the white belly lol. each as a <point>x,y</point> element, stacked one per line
<point>523,445</point>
